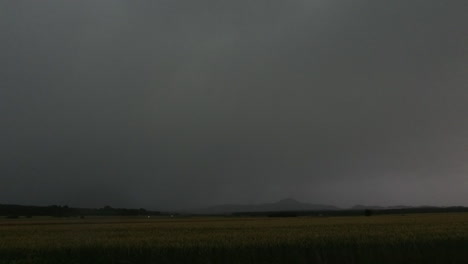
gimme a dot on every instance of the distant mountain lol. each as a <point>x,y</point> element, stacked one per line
<point>282,205</point>
<point>376,207</point>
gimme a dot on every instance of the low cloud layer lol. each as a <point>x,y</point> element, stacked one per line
<point>178,104</point>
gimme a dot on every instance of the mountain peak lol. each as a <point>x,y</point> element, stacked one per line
<point>288,201</point>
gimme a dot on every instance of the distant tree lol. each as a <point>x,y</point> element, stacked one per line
<point>368,212</point>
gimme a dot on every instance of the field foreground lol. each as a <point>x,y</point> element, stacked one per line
<point>425,238</point>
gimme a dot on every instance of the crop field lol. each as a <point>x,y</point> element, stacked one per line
<point>424,238</point>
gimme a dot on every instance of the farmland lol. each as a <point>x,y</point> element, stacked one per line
<point>418,238</point>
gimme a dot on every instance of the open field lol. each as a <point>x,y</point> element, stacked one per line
<point>424,238</point>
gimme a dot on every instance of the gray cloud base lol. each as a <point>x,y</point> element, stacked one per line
<point>177,104</point>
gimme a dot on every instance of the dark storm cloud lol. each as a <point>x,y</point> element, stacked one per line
<point>175,104</point>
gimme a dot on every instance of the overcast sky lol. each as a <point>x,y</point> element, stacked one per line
<point>180,104</point>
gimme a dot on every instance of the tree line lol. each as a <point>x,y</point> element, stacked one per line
<point>15,211</point>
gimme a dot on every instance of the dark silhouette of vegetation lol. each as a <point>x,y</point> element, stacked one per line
<point>415,210</point>
<point>368,212</point>
<point>14,211</point>
<point>282,214</point>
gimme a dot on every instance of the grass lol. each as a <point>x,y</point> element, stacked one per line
<point>425,238</point>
